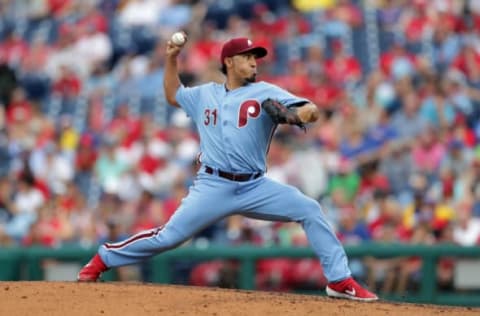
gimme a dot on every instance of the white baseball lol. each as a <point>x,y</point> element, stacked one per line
<point>178,38</point>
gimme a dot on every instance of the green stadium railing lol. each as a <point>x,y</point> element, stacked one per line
<point>25,264</point>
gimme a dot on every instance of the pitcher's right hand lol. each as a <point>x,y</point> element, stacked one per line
<point>172,50</point>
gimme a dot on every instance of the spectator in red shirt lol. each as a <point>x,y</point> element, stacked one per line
<point>474,9</point>
<point>462,131</point>
<point>148,213</point>
<point>341,68</point>
<point>445,20</point>
<point>262,21</point>
<point>415,21</point>
<point>296,81</point>
<point>85,160</point>
<point>128,127</point>
<point>86,157</point>
<point>13,49</point>
<point>292,24</point>
<point>205,48</point>
<point>20,110</point>
<point>171,204</point>
<point>372,179</point>
<point>318,87</point>
<point>59,7</point>
<point>37,55</point>
<point>396,53</point>
<point>43,232</point>
<point>468,61</point>
<point>68,85</point>
<point>321,91</point>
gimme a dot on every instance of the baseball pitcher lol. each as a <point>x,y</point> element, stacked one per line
<point>236,121</point>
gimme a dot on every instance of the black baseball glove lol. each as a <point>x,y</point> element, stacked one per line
<point>280,114</point>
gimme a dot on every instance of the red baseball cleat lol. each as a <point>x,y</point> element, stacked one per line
<point>92,270</point>
<point>350,289</point>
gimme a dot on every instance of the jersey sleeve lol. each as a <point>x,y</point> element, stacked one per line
<point>286,98</point>
<point>188,98</point>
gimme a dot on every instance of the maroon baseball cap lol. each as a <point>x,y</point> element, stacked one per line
<point>241,45</point>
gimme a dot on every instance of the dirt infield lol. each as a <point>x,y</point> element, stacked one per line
<point>69,298</point>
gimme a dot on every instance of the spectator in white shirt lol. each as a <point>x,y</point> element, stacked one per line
<point>466,231</point>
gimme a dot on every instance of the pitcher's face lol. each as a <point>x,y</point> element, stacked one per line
<point>244,67</point>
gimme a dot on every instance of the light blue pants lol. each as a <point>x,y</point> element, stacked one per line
<point>212,198</point>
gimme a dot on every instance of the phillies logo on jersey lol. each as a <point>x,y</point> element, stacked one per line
<point>249,108</point>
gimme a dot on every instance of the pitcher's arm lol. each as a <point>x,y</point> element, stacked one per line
<point>171,80</point>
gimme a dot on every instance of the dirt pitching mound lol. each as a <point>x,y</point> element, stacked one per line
<point>118,299</point>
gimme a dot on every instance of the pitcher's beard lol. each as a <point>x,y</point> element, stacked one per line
<point>251,79</point>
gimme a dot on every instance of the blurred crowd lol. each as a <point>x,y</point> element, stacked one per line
<point>91,152</point>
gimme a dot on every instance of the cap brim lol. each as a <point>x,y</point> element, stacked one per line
<point>258,51</point>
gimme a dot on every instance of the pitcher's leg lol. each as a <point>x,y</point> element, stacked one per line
<point>274,201</point>
<point>199,209</point>
<point>324,242</point>
<point>141,246</point>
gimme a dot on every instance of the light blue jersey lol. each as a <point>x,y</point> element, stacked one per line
<point>234,131</point>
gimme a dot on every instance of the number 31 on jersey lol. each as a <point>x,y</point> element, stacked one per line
<point>248,109</point>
